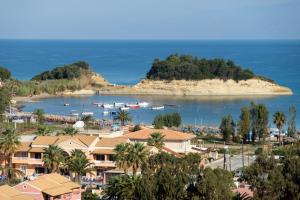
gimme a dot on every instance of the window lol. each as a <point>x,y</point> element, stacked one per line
<point>111,157</point>
<point>100,157</point>
<point>37,156</point>
<point>23,154</point>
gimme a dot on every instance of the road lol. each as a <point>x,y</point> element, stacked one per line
<point>236,162</point>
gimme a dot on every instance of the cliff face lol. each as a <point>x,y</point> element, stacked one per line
<point>203,87</point>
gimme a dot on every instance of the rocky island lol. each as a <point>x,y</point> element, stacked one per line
<point>182,75</point>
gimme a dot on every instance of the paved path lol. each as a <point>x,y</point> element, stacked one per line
<point>236,162</point>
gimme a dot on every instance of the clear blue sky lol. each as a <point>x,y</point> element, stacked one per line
<point>150,19</point>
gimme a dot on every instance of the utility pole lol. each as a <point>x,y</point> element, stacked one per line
<point>243,154</point>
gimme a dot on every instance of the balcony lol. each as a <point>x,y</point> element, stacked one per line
<point>104,163</point>
<point>35,161</point>
<point>20,160</point>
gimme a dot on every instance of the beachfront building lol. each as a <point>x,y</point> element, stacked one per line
<point>10,193</point>
<point>50,187</point>
<point>175,141</point>
<point>29,155</point>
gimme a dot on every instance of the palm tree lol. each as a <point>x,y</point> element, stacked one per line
<point>137,156</point>
<point>70,131</point>
<point>121,157</point>
<point>43,130</point>
<point>53,158</point>
<point>40,115</point>
<point>12,173</point>
<point>79,164</point>
<point>279,121</point>
<point>156,140</point>
<point>123,116</point>
<point>9,142</point>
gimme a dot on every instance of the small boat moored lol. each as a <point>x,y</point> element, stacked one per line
<point>158,108</point>
<point>87,113</point>
<point>124,108</point>
<point>143,104</point>
<point>108,106</point>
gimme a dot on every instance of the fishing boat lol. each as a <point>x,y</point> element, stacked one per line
<point>158,108</point>
<point>133,106</point>
<point>118,104</point>
<point>66,104</point>
<point>143,104</point>
<point>108,106</point>
<point>97,104</point>
<point>124,108</point>
<point>87,113</point>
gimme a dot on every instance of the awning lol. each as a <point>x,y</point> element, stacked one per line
<point>37,150</point>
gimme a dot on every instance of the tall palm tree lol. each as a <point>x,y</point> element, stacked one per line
<point>137,156</point>
<point>123,116</point>
<point>70,131</point>
<point>79,164</point>
<point>122,156</point>
<point>279,121</point>
<point>156,140</point>
<point>9,142</point>
<point>53,158</point>
<point>40,115</point>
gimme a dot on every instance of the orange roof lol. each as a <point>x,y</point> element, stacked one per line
<point>110,142</point>
<point>10,193</point>
<point>25,146</point>
<point>104,151</point>
<point>169,134</point>
<point>48,140</point>
<point>53,184</point>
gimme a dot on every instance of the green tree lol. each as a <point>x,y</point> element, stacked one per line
<point>53,158</point>
<point>227,128</point>
<point>89,195</point>
<point>122,156</point>
<point>79,164</point>
<point>158,122</point>
<point>123,116</point>
<point>176,119</point>
<point>156,140</point>
<point>40,114</point>
<point>292,128</point>
<point>279,121</point>
<point>4,73</point>
<point>137,155</point>
<point>5,99</point>
<point>9,142</point>
<point>137,127</point>
<point>244,125</point>
<point>263,121</point>
<point>209,186</point>
<point>122,188</point>
<point>254,121</point>
<point>70,131</point>
<point>43,130</point>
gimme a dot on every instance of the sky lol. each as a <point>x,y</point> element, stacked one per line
<point>150,19</point>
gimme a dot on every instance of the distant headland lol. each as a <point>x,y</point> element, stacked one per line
<point>176,75</point>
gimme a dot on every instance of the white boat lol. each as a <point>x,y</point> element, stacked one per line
<point>158,108</point>
<point>143,104</point>
<point>74,113</point>
<point>87,113</point>
<point>124,108</point>
<point>118,104</point>
<point>108,106</point>
<point>66,104</point>
<point>105,112</point>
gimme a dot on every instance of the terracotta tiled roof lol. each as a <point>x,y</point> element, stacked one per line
<point>25,146</point>
<point>103,151</point>
<point>9,193</point>
<point>110,142</point>
<point>54,184</point>
<point>169,134</point>
<point>36,150</point>
<point>48,140</point>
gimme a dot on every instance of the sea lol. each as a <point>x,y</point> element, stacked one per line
<point>127,62</point>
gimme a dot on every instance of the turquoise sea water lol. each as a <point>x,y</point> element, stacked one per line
<point>125,62</point>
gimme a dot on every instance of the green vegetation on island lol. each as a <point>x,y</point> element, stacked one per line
<point>187,67</point>
<point>71,71</point>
